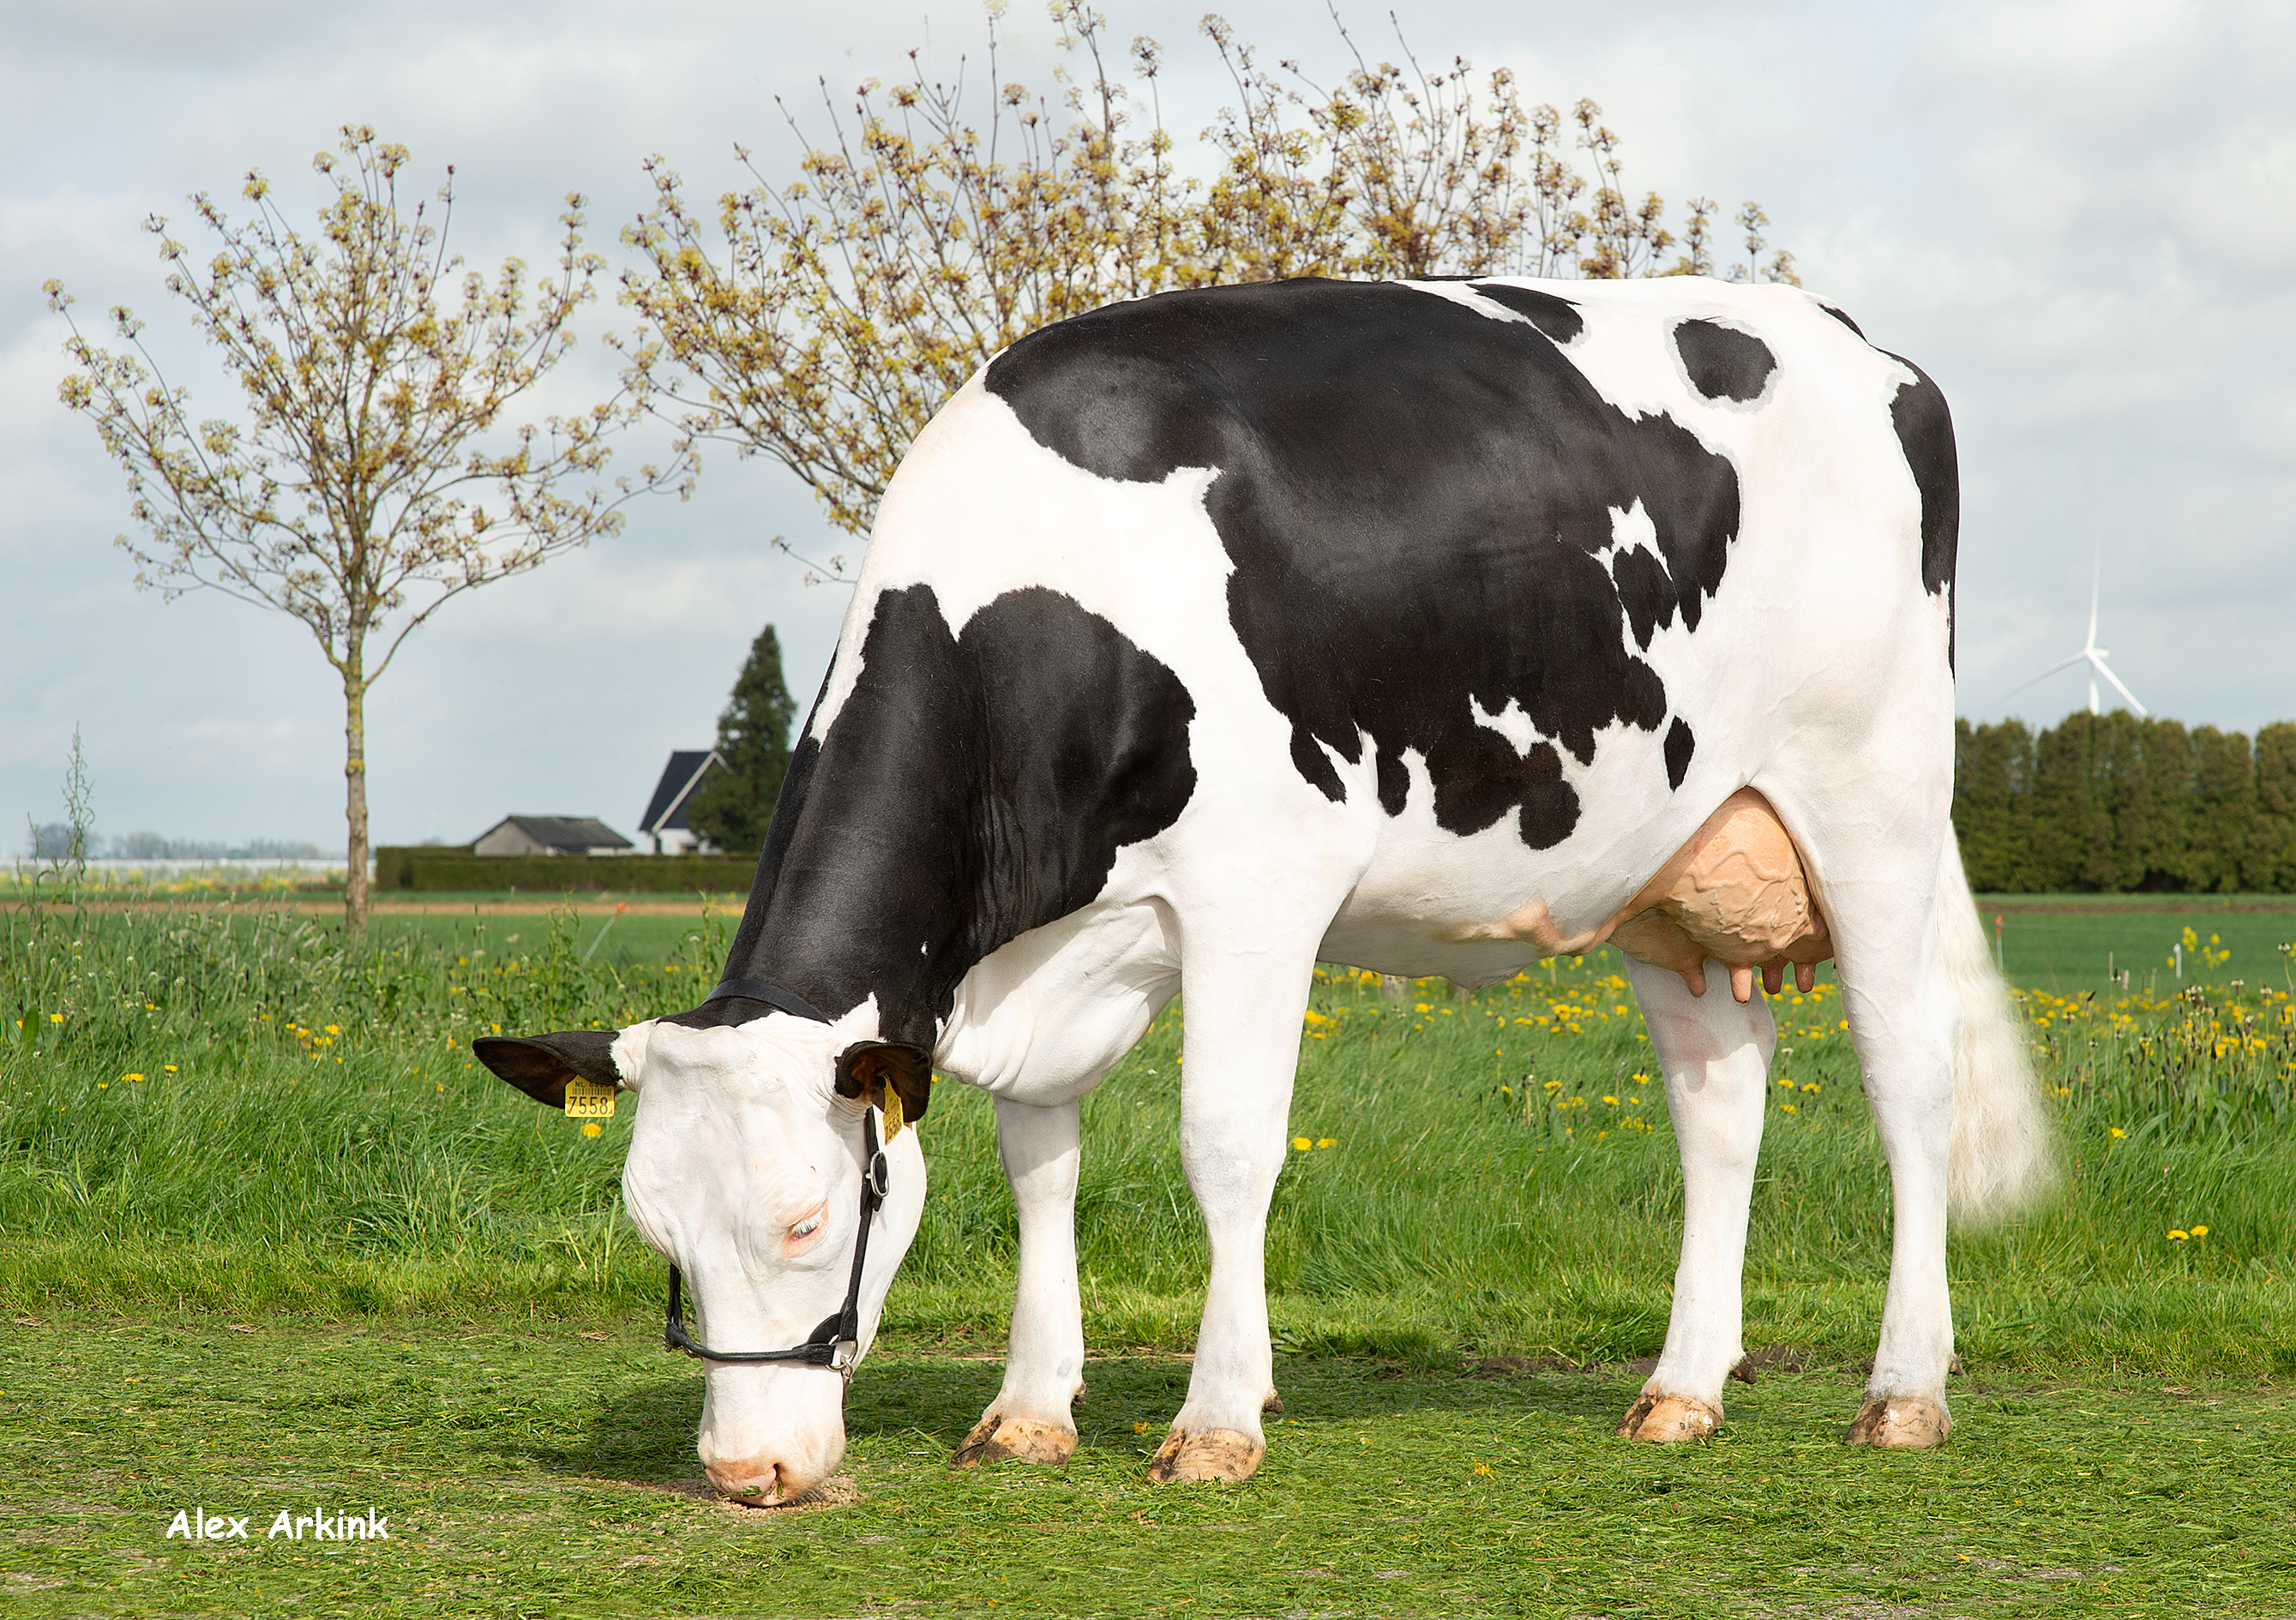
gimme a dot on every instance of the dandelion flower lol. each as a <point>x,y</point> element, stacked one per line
<point>2177,1237</point>
<point>2200,1232</point>
<point>592,1129</point>
<point>1302,1143</point>
<point>131,1077</point>
<point>2118,1133</point>
<point>1333,1141</point>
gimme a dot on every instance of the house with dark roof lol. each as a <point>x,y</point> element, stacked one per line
<point>528,835</point>
<point>664,821</point>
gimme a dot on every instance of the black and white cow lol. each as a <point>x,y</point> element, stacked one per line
<point>1429,627</point>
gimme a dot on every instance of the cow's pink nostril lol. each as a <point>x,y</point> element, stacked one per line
<point>750,1481</point>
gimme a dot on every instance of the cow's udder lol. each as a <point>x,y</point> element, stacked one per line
<point>1734,894</point>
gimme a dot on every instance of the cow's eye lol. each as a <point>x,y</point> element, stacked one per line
<point>807,1227</point>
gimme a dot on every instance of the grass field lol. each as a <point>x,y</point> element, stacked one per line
<point>2070,943</point>
<point>216,1123</point>
<point>528,1469</point>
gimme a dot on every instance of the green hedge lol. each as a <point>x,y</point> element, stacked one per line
<point>2109,804</point>
<point>435,868</point>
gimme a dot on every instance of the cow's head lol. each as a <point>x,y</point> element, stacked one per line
<point>744,1172</point>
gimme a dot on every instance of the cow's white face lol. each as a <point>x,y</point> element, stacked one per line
<point>744,1172</point>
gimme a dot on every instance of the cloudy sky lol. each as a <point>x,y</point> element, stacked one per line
<point>2080,218</point>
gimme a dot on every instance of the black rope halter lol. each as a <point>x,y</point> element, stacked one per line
<point>836,1342</point>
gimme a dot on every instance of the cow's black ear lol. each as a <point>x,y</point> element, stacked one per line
<point>866,1067</point>
<point>540,1066</point>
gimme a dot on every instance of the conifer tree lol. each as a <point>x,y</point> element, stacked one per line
<point>732,806</point>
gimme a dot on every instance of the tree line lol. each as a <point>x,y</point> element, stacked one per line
<point>2111,804</point>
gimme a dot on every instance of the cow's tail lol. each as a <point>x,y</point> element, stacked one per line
<point>2003,1150</point>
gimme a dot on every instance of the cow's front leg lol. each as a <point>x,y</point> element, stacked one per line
<point>1716,1053</point>
<point>1043,1369</point>
<point>1242,1045</point>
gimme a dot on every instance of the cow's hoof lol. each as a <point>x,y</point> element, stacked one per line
<point>996,1437</point>
<point>1217,1453</point>
<point>1273,1404</point>
<point>1667,1420</point>
<point>1907,1422</point>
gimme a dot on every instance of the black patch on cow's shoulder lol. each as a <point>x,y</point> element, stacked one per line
<point>1557,317</point>
<point>1724,362</point>
<point>1841,315</point>
<point>1924,427</point>
<point>1679,746</point>
<point>972,786</point>
<point>1418,502</point>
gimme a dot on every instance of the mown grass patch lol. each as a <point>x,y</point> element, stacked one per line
<point>532,1468</point>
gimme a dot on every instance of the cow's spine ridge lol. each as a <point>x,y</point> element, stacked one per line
<point>2003,1149</point>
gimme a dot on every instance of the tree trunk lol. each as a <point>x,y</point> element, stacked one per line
<point>355,897</point>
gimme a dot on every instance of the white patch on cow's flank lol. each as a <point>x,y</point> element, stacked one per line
<point>1510,722</point>
<point>1632,527</point>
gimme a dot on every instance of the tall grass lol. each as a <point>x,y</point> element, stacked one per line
<point>230,1107</point>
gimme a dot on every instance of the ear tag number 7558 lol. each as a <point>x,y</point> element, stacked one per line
<point>587,1100</point>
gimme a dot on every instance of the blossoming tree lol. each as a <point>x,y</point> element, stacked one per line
<point>380,465</point>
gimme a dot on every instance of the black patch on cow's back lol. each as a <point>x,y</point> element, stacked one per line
<point>1924,426</point>
<point>1724,362</point>
<point>972,786</point>
<point>1679,746</point>
<point>1418,501</point>
<point>1557,317</point>
<point>1841,315</point>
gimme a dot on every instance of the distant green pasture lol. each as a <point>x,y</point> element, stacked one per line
<point>2068,943</point>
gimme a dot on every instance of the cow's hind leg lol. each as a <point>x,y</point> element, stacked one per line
<point>1877,858</point>
<point>1716,1053</point>
<point>1044,1369</point>
<point>1903,1022</point>
<point>1242,1046</point>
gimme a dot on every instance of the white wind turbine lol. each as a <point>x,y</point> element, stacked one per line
<point>2092,655</point>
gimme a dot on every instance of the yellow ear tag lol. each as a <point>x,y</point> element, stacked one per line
<point>894,1120</point>
<point>587,1100</point>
